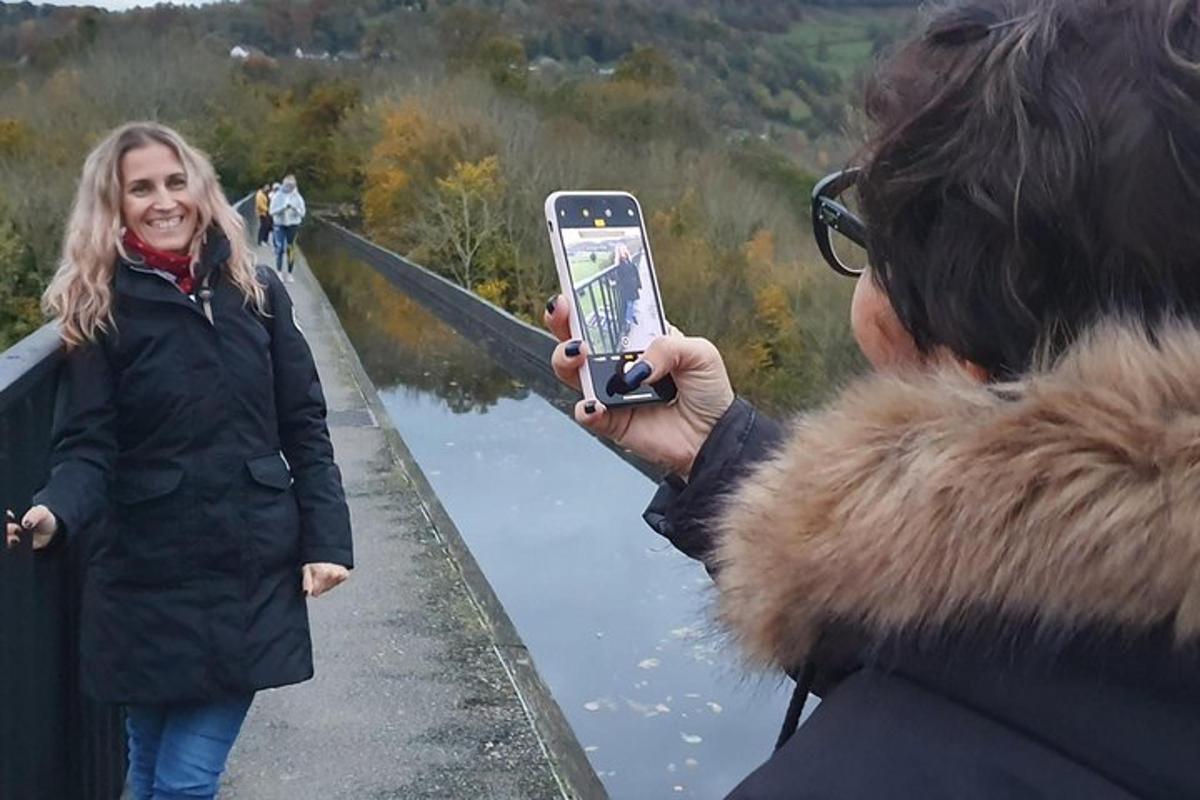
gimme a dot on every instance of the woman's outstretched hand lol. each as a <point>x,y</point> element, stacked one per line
<point>667,435</point>
<point>38,522</point>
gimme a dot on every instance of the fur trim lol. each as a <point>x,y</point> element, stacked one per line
<point>916,501</point>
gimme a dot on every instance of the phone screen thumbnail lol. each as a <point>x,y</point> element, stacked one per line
<point>614,291</point>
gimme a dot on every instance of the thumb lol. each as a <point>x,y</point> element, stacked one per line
<point>37,518</point>
<point>308,579</point>
<point>672,354</point>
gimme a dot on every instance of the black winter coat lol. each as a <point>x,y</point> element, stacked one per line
<point>193,466</point>
<point>629,283</point>
<point>999,591</point>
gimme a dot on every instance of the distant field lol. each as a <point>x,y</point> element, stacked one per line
<point>584,267</point>
<point>843,40</point>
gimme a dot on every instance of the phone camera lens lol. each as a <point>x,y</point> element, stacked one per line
<point>587,213</point>
<point>608,212</point>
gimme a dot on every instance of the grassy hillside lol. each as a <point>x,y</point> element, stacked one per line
<point>761,67</point>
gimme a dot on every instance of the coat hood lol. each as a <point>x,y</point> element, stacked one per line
<point>919,502</point>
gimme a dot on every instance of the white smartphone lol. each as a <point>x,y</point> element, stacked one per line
<point>605,269</point>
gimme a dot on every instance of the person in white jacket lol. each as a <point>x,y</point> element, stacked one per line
<point>287,212</point>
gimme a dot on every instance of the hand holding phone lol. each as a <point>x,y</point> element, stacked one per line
<point>667,434</point>
<point>606,272</point>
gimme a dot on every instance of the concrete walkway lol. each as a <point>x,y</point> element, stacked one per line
<point>411,699</point>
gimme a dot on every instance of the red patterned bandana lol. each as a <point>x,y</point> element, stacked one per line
<point>178,265</point>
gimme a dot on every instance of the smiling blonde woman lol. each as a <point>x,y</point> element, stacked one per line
<point>80,295</point>
<point>191,462</point>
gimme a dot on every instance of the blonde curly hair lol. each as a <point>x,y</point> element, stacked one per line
<point>80,295</point>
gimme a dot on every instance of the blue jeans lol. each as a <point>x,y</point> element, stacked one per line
<point>284,239</point>
<point>178,752</point>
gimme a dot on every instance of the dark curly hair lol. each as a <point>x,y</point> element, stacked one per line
<point>1035,167</point>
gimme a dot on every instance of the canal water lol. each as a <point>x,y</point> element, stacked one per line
<point>614,618</point>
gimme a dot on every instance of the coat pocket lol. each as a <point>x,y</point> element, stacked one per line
<point>270,471</point>
<point>141,484</point>
<point>155,540</point>
<point>270,514</point>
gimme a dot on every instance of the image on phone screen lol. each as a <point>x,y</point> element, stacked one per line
<point>615,293</point>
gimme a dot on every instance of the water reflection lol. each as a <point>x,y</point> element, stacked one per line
<point>401,345</point>
<point>612,616</point>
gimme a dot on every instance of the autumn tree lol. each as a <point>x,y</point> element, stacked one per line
<point>411,153</point>
<point>462,222</point>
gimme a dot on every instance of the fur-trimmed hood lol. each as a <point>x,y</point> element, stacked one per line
<point>919,501</point>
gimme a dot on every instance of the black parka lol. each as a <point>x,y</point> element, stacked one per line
<point>629,282</point>
<point>998,591</point>
<point>193,467</point>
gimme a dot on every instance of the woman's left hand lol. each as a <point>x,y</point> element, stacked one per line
<point>38,521</point>
<point>320,578</point>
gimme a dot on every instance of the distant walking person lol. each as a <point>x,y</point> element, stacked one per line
<point>287,212</point>
<point>262,207</point>
<point>191,467</point>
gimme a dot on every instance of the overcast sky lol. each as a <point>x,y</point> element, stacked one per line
<point>117,5</point>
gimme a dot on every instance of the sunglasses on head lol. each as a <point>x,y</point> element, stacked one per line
<point>840,233</point>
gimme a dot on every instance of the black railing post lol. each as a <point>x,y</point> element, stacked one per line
<point>54,743</point>
<point>611,313</point>
<point>609,319</point>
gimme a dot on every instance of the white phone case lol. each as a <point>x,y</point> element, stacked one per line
<point>564,276</point>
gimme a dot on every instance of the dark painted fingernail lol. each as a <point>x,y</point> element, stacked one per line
<point>637,373</point>
<point>572,349</point>
<point>589,407</point>
<point>550,304</point>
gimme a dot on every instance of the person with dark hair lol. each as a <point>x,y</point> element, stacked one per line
<point>983,555</point>
<point>262,208</point>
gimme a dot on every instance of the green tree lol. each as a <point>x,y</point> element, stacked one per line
<point>647,66</point>
<point>301,137</point>
<point>504,60</point>
<point>464,32</point>
<point>15,138</point>
<point>19,287</point>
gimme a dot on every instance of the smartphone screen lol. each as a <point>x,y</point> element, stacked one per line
<point>612,280</point>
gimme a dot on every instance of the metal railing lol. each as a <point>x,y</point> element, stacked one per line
<point>520,348</point>
<point>54,743</point>
<point>603,317</point>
